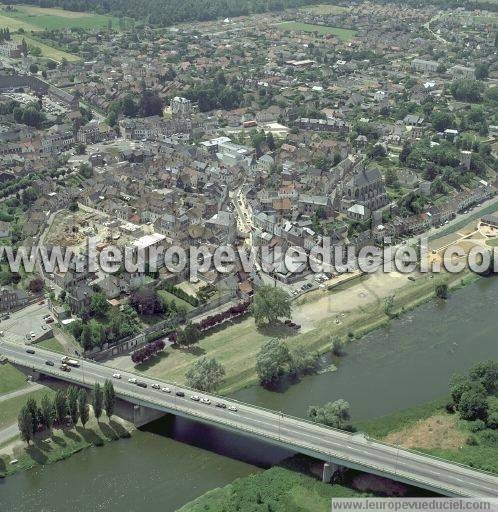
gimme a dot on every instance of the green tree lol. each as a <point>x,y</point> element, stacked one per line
<point>83,408</point>
<point>109,398</point>
<point>34,411</point>
<point>441,290</point>
<point>47,412</point>
<point>206,374</point>
<point>482,71</point>
<point>72,403</point>
<point>99,305</point>
<point>269,304</point>
<point>97,400</point>
<point>86,170</point>
<point>189,335</point>
<point>86,337</point>
<point>272,360</point>
<point>334,414</point>
<point>60,406</point>
<point>25,424</point>
<point>486,374</point>
<point>302,360</point>
<point>473,405</point>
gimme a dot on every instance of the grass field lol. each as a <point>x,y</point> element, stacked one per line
<point>32,18</point>
<point>9,409</point>
<point>165,295</point>
<point>342,33</point>
<point>46,50</point>
<point>10,379</point>
<point>324,9</point>
<point>51,344</point>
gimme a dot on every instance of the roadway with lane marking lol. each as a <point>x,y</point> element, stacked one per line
<point>300,435</point>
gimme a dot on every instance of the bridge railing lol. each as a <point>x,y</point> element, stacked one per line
<point>270,412</point>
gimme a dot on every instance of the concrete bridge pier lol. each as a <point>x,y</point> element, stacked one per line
<point>331,471</point>
<point>143,415</point>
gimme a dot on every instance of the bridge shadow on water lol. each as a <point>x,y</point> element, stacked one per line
<point>222,442</point>
<point>264,455</point>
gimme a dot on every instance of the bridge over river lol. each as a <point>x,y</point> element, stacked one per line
<point>334,447</point>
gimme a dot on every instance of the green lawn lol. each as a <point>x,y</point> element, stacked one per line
<point>51,344</point>
<point>46,50</point>
<point>33,18</point>
<point>10,379</point>
<point>9,409</point>
<point>168,296</point>
<point>277,488</point>
<point>342,33</point>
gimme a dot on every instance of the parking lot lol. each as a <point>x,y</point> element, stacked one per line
<point>25,321</point>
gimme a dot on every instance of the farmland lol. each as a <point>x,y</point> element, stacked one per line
<point>31,18</point>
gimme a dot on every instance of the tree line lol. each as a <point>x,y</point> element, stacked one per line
<point>72,403</point>
<point>169,12</point>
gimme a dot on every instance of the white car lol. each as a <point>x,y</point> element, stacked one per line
<point>132,380</point>
<point>116,375</point>
<point>232,408</point>
<point>166,390</point>
<point>206,401</point>
<point>156,386</point>
<point>195,398</point>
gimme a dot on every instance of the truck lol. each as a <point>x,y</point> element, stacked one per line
<point>70,362</point>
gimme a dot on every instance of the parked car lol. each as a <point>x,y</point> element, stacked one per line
<point>132,380</point>
<point>156,386</point>
<point>141,383</point>
<point>49,320</point>
<point>49,363</point>
<point>205,401</point>
<point>221,405</point>
<point>180,393</point>
<point>166,390</point>
<point>195,398</point>
<point>232,408</point>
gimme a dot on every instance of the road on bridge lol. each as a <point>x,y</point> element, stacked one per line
<point>318,441</point>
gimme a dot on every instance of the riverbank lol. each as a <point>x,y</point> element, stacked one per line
<point>287,488</point>
<point>347,312</point>
<point>60,444</point>
<point>429,428</point>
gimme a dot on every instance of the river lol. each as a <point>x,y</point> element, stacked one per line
<point>408,363</point>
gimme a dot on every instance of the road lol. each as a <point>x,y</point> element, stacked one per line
<point>318,441</point>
